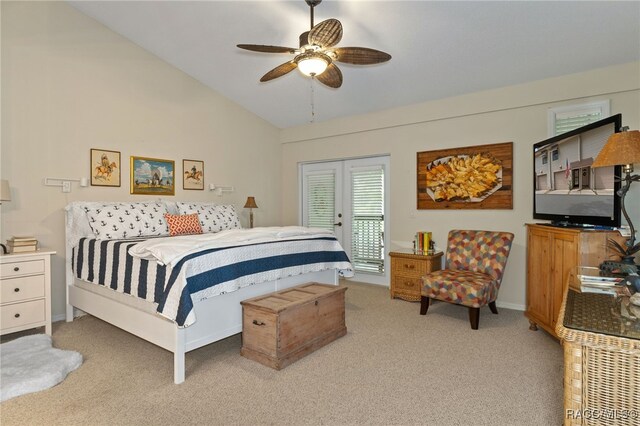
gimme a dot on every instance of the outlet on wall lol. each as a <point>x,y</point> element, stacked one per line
<point>66,186</point>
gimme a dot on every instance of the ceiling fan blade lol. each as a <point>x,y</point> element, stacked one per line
<point>360,55</point>
<point>326,34</point>
<point>279,71</point>
<point>331,77</point>
<point>267,49</point>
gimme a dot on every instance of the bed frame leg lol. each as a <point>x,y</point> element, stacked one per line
<point>69,317</point>
<point>178,357</point>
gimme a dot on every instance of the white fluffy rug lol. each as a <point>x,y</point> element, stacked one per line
<point>29,364</point>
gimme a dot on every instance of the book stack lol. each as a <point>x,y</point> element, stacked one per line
<point>423,243</point>
<point>22,244</point>
<point>592,280</point>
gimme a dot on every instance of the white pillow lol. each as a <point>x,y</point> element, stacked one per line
<point>128,220</point>
<point>213,217</point>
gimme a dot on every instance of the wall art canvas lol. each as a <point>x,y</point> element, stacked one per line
<point>473,177</point>
<point>192,174</point>
<point>105,167</point>
<point>152,176</point>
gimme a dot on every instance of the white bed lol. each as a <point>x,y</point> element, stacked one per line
<point>217,317</point>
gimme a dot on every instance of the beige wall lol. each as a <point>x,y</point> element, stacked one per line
<point>517,114</point>
<point>70,84</point>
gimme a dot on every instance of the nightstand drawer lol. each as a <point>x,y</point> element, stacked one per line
<point>409,267</point>
<point>17,269</point>
<point>22,288</point>
<point>19,314</point>
<point>407,285</point>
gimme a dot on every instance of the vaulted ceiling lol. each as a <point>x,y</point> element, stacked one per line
<point>439,49</point>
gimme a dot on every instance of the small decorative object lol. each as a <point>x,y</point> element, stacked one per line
<point>250,204</point>
<point>152,176</point>
<point>623,149</point>
<point>193,174</point>
<point>475,177</point>
<point>22,244</point>
<point>105,168</point>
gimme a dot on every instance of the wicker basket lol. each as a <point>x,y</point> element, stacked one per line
<point>601,376</point>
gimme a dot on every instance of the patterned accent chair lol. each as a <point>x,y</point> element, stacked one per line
<point>474,265</point>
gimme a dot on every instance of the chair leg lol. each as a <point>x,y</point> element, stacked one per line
<point>424,305</point>
<point>474,317</point>
<point>492,306</point>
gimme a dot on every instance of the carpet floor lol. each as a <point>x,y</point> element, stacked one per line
<point>394,367</point>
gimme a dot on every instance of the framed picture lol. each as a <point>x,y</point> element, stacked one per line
<point>192,174</point>
<point>152,176</point>
<point>105,167</point>
<point>473,177</point>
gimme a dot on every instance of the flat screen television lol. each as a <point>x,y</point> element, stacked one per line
<point>567,191</point>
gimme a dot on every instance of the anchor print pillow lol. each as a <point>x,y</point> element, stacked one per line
<point>114,221</point>
<point>213,217</point>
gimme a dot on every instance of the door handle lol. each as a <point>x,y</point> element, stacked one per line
<point>337,224</point>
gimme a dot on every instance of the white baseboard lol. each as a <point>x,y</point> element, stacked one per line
<point>514,306</point>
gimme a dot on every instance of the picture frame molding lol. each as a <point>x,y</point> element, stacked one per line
<point>132,172</point>
<point>95,165</point>
<point>185,169</point>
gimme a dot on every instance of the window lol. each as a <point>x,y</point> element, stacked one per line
<point>566,118</point>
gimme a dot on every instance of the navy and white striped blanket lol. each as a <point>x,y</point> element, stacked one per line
<point>203,274</point>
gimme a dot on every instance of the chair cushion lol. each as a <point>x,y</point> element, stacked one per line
<point>468,288</point>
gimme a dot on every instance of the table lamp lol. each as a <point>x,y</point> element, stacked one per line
<point>250,204</point>
<point>623,149</point>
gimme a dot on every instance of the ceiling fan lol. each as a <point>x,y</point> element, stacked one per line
<point>316,55</point>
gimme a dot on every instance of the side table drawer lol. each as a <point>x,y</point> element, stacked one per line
<point>23,288</point>
<point>409,267</point>
<point>19,314</point>
<point>17,269</point>
<point>407,285</point>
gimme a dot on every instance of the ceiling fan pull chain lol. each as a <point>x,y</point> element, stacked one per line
<point>313,106</point>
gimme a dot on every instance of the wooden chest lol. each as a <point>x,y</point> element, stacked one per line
<point>280,328</point>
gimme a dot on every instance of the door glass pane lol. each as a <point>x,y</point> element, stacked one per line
<point>367,224</point>
<point>321,200</point>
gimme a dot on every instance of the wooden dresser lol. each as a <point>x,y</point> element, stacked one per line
<point>407,269</point>
<point>25,291</point>
<point>551,254</point>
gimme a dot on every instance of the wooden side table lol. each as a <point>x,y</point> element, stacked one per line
<point>601,340</point>
<point>407,269</point>
<point>25,291</point>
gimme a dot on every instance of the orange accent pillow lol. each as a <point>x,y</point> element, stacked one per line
<point>183,224</point>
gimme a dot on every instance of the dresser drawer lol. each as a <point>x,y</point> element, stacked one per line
<point>408,267</point>
<point>19,314</point>
<point>17,269</point>
<point>21,288</point>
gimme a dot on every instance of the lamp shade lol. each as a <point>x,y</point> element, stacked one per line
<point>621,148</point>
<point>5,190</point>
<point>251,203</point>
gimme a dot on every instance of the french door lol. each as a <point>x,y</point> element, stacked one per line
<point>349,197</point>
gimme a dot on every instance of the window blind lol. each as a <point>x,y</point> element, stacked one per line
<point>321,200</point>
<point>367,239</point>
<point>567,121</point>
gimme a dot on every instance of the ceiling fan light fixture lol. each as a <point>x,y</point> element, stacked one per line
<point>312,64</point>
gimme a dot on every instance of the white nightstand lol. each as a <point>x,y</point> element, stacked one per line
<point>25,291</point>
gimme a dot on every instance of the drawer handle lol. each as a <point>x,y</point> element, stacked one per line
<point>260,323</point>
<point>408,283</point>
<point>16,269</point>
<point>17,315</point>
<point>17,289</point>
<point>410,266</point>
